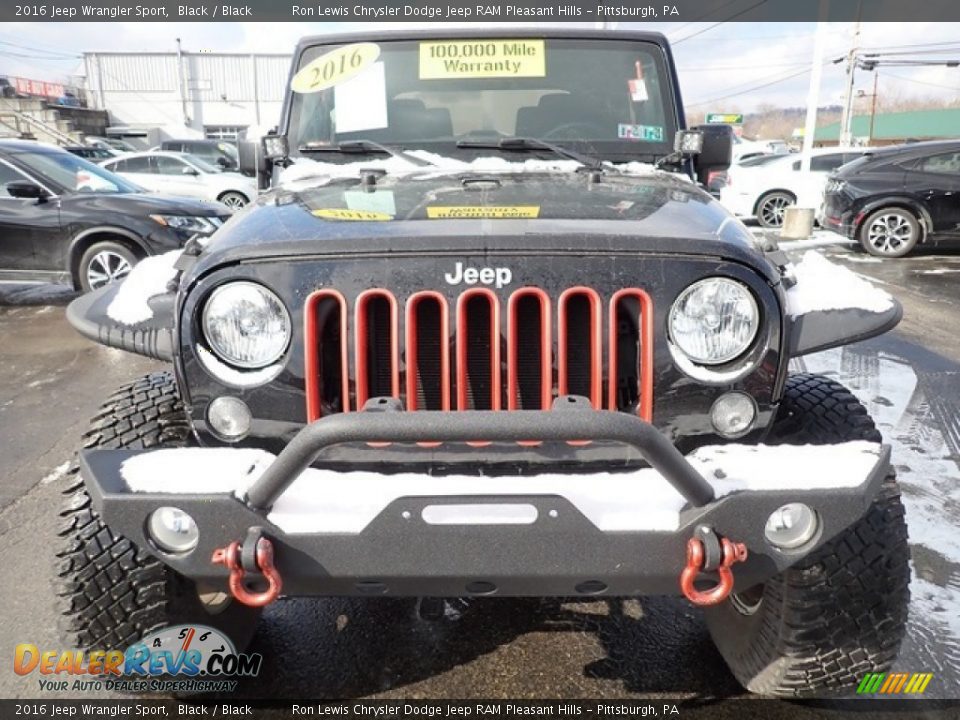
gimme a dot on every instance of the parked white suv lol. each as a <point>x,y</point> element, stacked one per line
<point>764,191</point>
<point>175,173</point>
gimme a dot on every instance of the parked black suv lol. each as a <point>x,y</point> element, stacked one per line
<point>64,219</point>
<point>893,198</point>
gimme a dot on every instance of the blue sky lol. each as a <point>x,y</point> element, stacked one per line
<point>722,67</point>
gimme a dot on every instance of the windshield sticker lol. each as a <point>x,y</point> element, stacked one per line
<point>335,67</point>
<point>638,90</point>
<point>455,59</point>
<point>638,86</point>
<point>360,103</point>
<point>345,214</point>
<point>380,202</point>
<point>647,133</point>
<point>500,212</point>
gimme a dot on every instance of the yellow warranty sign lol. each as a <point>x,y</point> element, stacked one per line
<point>482,58</point>
<point>345,214</point>
<point>466,212</point>
<point>335,67</point>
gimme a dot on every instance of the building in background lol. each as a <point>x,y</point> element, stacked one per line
<point>185,95</point>
<point>896,127</point>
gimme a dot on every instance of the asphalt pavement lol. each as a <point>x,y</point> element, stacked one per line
<point>52,380</point>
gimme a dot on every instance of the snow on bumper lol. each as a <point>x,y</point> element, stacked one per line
<point>357,533</point>
<point>325,501</point>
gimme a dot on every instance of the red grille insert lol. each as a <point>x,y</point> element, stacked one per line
<point>579,344</point>
<point>428,352</point>
<point>377,356</point>
<point>325,321</point>
<point>478,350</point>
<point>529,374</point>
<point>620,310</point>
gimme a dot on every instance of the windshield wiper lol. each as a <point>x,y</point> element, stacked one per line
<point>364,147</point>
<point>526,144</point>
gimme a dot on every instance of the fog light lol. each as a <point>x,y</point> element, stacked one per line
<point>229,417</point>
<point>733,414</point>
<point>173,530</point>
<point>791,526</point>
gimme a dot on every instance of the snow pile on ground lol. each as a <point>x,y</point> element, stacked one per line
<point>326,501</point>
<point>823,285</point>
<point>148,278</point>
<point>313,170</point>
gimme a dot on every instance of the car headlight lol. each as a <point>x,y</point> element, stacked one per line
<point>189,223</point>
<point>714,321</point>
<point>246,325</point>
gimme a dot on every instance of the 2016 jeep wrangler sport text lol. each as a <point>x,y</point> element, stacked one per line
<point>486,335</point>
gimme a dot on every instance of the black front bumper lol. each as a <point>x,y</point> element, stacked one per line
<point>561,552</point>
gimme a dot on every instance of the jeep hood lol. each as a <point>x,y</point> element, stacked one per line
<point>431,211</point>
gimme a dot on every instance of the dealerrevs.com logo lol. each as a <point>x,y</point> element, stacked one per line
<point>180,658</point>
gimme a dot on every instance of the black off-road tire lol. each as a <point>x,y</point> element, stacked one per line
<point>816,629</point>
<point>110,593</point>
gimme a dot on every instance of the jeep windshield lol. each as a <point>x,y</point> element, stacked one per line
<point>610,98</point>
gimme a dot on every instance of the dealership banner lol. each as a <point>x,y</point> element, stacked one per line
<point>466,10</point>
<point>433,709</point>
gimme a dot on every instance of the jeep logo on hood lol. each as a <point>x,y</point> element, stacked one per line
<point>498,277</point>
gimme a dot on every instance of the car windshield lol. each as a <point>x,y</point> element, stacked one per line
<point>613,98</point>
<point>202,164</point>
<point>229,150</point>
<point>76,174</point>
<point>760,160</point>
<point>120,145</point>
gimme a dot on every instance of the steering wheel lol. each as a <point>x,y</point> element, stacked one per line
<point>592,130</point>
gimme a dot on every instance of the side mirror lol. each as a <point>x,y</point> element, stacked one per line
<point>716,152</point>
<point>253,161</point>
<point>190,171</point>
<point>25,190</point>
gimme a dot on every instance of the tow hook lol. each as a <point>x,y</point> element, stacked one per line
<point>240,561</point>
<point>707,552</point>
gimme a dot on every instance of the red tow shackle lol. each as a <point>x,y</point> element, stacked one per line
<point>230,557</point>
<point>731,553</point>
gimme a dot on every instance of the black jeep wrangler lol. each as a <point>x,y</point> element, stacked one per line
<point>486,335</point>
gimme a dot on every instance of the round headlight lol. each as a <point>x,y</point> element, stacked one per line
<point>714,320</point>
<point>246,325</point>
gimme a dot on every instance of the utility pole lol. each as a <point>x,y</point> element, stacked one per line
<point>873,106</point>
<point>180,85</point>
<point>813,94</point>
<point>846,136</point>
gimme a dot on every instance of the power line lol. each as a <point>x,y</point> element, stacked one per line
<point>910,45</point>
<point>920,82</point>
<point>718,24</point>
<point>750,89</point>
<point>704,16</point>
<point>46,53</point>
<point>739,67</point>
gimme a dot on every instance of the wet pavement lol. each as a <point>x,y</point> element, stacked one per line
<point>51,381</point>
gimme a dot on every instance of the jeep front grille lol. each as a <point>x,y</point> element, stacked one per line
<point>496,358</point>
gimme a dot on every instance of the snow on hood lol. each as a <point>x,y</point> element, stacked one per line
<point>315,171</point>
<point>823,285</point>
<point>639,500</point>
<point>148,278</point>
